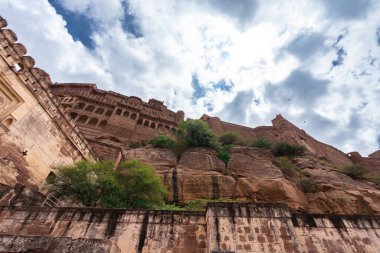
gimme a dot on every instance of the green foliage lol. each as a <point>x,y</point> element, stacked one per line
<point>261,143</point>
<point>162,141</point>
<point>286,149</point>
<point>224,153</point>
<point>179,147</point>
<point>200,204</point>
<point>286,166</point>
<point>196,133</point>
<point>98,184</point>
<point>142,188</point>
<point>308,185</point>
<point>229,138</point>
<point>85,182</point>
<point>172,207</point>
<point>375,179</point>
<point>355,171</point>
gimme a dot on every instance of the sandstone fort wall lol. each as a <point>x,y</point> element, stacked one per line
<point>222,228</point>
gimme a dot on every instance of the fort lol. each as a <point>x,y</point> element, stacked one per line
<point>110,121</point>
<point>44,124</point>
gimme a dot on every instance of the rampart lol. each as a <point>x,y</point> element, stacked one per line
<point>223,227</point>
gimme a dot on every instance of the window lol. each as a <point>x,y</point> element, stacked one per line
<point>99,110</point>
<point>93,121</point>
<point>90,108</point>
<point>82,119</point>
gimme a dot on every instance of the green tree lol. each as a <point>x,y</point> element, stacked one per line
<point>196,134</point>
<point>85,182</point>
<point>142,188</point>
<point>98,184</point>
<point>224,153</point>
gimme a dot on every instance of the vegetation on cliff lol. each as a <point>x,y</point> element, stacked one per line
<point>289,150</point>
<point>355,171</point>
<point>133,185</point>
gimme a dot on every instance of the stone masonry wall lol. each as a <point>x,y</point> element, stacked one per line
<point>224,227</point>
<point>34,133</point>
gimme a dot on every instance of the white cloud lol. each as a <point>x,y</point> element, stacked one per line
<point>253,44</point>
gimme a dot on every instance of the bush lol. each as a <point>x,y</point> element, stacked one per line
<point>162,141</point>
<point>355,171</point>
<point>85,182</point>
<point>98,184</point>
<point>142,188</point>
<point>196,133</point>
<point>286,166</point>
<point>308,186</point>
<point>261,143</point>
<point>224,154</point>
<point>229,138</point>
<point>286,149</point>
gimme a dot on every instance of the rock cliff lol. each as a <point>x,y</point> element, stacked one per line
<point>252,175</point>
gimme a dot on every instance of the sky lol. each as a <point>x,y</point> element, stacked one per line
<point>316,62</point>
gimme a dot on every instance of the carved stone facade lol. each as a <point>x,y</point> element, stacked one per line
<point>34,133</point>
<point>110,120</point>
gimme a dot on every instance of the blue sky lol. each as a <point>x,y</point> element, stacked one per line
<point>314,61</point>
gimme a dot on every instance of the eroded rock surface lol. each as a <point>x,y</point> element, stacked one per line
<point>252,175</point>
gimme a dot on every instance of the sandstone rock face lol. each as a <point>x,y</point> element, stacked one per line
<point>201,159</point>
<point>160,159</point>
<point>252,175</point>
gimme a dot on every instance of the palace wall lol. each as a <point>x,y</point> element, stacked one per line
<point>223,227</point>
<point>34,133</point>
<point>113,119</point>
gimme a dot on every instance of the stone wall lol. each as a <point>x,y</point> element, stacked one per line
<point>100,230</point>
<point>34,133</point>
<point>115,119</point>
<point>224,227</point>
<point>281,131</point>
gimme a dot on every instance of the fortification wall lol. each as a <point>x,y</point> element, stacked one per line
<point>34,133</point>
<point>280,131</point>
<point>224,227</point>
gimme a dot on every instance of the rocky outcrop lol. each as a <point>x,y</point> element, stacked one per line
<point>252,175</point>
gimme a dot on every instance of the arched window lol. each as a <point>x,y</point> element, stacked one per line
<point>90,108</point>
<point>160,126</point>
<point>118,111</point>
<point>167,127</point>
<point>109,113</point>
<point>152,125</point>
<point>126,114</point>
<point>133,116</point>
<point>140,121</point>
<point>146,123</point>
<point>103,123</point>
<point>100,110</point>
<point>93,121</point>
<point>82,119</point>
<point>73,115</point>
<point>80,105</point>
